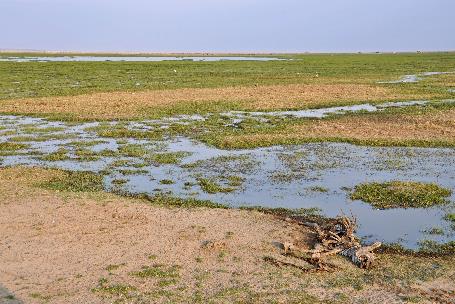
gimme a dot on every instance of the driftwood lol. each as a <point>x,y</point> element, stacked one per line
<point>334,237</point>
<point>361,256</point>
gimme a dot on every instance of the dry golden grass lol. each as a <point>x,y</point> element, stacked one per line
<point>136,104</point>
<point>431,127</point>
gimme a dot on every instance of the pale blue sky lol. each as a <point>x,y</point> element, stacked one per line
<point>228,25</point>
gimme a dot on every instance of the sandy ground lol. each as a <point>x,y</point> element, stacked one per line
<point>56,248</point>
<point>89,247</point>
<point>137,104</point>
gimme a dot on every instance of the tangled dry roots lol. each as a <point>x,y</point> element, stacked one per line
<point>333,237</point>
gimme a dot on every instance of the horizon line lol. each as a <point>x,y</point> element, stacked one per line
<point>206,53</point>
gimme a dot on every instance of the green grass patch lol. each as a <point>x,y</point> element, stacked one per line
<point>210,186</point>
<point>59,155</point>
<point>232,138</point>
<point>218,139</point>
<point>171,201</point>
<point>133,150</point>
<point>114,267</point>
<point>313,212</point>
<point>400,194</point>
<point>166,182</point>
<point>35,130</point>
<point>41,297</point>
<point>119,181</point>
<point>168,158</point>
<point>23,138</point>
<point>157,271</point>
<point>450,217</point>
<point>114,289</point>
<point>319,189</point>
<point>123,132</point>
<point>84,144</point>
<point>235,181</point>
<point>12,146</point>
<point>59,78</point>
<point>86,155</point>
<point>77,181</point>
<point>434,248</point>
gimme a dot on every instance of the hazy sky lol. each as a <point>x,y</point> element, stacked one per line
<point>228,25</point>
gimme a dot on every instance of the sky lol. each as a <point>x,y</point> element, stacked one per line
<point>228,25</point>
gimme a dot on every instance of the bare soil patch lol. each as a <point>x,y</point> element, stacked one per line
<point>57,247</point>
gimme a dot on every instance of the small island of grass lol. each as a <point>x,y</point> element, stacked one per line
<point>401,194</point>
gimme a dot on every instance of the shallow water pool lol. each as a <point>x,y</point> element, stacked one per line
<point>133,58</point>
<point>316,175</point>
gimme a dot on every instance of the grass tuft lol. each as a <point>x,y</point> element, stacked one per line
<point>7,146</point>
<point>450,217</point>
<point>75,182</point>
<point>157,271</point>
<point>114,290</point>
<point>168,158</point>
<point>210,186</point>
<point>59,155</point>
<point>400,194</point>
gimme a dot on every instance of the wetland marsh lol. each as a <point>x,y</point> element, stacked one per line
<point>144,158</point>
<point>211,148</point>
<point>166,139</point>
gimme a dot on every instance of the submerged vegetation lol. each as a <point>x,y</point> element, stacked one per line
<point>310,213</point>
<point>210,186</point>
<point>168,157</point>
<point>399,194</point>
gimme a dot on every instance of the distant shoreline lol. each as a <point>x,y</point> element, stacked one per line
<point>201,54</point>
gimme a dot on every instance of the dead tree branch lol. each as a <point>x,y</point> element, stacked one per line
<point>337,236</point>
